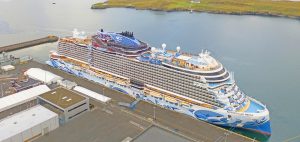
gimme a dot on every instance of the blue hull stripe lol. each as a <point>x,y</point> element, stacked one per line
<point>264,128</point>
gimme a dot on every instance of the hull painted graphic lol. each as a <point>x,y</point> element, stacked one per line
<point>219,116</point>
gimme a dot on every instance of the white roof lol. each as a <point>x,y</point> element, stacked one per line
<point>42,75</point>
<point>7,67</point>
<point>183,57</point>
<point>92,94</point>
<point>24,120</point>
<point>22,97</point>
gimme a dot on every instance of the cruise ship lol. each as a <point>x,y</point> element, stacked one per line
<point>196,85</point>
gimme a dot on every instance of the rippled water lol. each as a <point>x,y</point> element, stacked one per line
<point>262,51</point>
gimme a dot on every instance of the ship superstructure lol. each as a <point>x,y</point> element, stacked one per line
<point>196,85</point>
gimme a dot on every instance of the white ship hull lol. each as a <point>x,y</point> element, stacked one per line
<point>253,121</point>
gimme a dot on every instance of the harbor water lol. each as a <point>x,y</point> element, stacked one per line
<point>262,51</point>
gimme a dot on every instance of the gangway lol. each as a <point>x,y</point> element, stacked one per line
<point>129,105</point>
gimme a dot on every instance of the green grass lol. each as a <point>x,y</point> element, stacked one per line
<point>260,7</point>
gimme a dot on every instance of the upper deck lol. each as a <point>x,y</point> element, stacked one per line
<point>204,63</point>
<point>78,38</point>
<point>126,45</point>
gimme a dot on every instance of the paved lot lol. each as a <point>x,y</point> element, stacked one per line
<point>179,123</point>
<point>156,134</point>
<point>102,124</point>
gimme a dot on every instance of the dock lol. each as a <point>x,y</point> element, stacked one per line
<point>26,44</point>
<point>112,122</point>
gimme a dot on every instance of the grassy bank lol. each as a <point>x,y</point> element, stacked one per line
<point>255,7</point>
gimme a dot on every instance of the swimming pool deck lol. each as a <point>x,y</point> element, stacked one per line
<point>245,108</point>
<point>188,127</point>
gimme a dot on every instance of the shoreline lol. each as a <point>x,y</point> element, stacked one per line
<point>267,14</point>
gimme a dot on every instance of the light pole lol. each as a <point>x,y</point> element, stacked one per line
<point>154,117</point>
<point>1,89</point>
<point>45,77</point>
<point>226,135</point>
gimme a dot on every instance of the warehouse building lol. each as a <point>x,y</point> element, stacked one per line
<point>28,124</point>
<point>66,103</point>
<point>42,75</point>
<point>7,67</point>
<point>22,100</point>
<point>92,94</point>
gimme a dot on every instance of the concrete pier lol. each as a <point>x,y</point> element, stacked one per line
<point>111,122</point>
<point>26,44</point>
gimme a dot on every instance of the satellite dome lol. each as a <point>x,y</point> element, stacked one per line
<point>153,49</point>
<point>178,48</point>
<point>164,46</point>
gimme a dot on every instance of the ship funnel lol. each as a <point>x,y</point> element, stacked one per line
<point>178,48</point>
